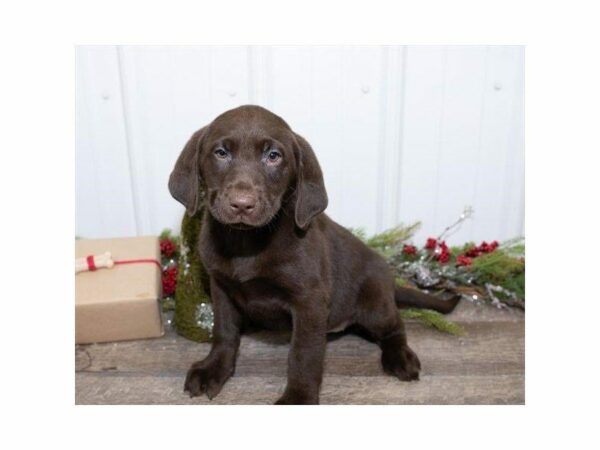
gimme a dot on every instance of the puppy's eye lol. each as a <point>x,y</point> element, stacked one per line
<point>273,156</point>
<point>221,153</point>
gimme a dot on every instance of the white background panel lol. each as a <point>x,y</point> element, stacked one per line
<point>402,133</point>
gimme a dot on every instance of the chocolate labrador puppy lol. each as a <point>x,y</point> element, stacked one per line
<point>275,260</point>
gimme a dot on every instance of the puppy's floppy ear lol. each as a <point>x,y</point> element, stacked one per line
<point>311,197</point>
<point>184,182</point>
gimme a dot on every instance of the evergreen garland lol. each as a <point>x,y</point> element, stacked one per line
<point>488,272</point>
<point>433,319</point>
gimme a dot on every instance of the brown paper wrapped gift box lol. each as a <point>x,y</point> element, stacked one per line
<point>119,303</point>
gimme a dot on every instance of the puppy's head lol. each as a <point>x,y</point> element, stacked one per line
<point>248,163</point>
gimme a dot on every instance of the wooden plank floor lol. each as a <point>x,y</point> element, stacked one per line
<point>484,367</point>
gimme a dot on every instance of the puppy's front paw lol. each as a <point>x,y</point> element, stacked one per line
<point>297,397</point>
<point>206,378</point>
<point>401,362</point>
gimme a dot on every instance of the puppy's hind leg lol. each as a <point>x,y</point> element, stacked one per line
<point>378,315</point>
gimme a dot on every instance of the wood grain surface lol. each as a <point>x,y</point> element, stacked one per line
<point>486,366</point>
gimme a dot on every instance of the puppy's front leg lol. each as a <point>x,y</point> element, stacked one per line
<point>305,360</point>
<point>209,375</point>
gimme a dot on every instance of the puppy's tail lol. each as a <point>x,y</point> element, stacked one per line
<point>412,298</point>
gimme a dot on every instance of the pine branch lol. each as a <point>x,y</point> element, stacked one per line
<point>433,319</point>
<point>392,238</point>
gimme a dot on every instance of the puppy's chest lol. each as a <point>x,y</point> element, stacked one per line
<point>256,287</point>
<point>241,270</point>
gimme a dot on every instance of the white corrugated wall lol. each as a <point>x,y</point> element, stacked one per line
<point>402,133</point>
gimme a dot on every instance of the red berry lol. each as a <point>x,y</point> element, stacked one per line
<point>167,247</point>
<point>409,249</point>
<point>463,260</point>
<point>444,257</point>
<point>473,252</point>
<point>169,280</point>
<point>431,244</point>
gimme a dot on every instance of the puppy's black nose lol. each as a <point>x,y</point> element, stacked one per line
<point>242,203</point>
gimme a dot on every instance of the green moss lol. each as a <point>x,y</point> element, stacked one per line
<point>192,283</point>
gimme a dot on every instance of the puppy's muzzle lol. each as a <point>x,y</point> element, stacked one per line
<point>242,203</point>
